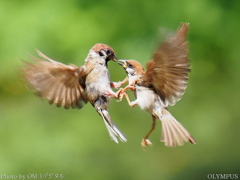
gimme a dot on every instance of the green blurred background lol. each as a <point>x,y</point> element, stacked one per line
<point>37,138</point>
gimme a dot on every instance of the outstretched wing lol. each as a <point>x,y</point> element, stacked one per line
<point>61,84</point>
<point>168,71</point>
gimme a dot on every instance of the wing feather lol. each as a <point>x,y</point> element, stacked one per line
<point>55,81</point>
<point>168,71</point>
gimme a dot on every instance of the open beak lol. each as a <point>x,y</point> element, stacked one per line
<point>123,63</point>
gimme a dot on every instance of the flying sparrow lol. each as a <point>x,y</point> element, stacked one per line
<point>163,84</point>
<point>72,86</point>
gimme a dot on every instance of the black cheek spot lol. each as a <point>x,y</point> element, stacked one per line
<point>100,53</point>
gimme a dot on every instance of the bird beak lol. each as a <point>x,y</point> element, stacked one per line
<point>114,59</point>
<point>123,63</point>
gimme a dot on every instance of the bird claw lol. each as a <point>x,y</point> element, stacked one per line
<point>145,143</point>
<point>121,96</point>
<point>119,100</point>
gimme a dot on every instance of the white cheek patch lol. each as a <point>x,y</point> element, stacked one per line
<point>96,58</point>
<point>92,54</point>
<point>131,71</point>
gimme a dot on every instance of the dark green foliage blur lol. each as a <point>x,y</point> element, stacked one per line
<point>38,138</point>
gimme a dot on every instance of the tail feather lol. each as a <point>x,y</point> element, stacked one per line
<point>113,131</point>
<point>173,133</point>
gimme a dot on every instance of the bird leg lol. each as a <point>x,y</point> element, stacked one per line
<point>118,84</point>
<point>131,103</point>
<point>122,92</point>
<point>145,142</point>
<point>118,94</point>
<point>111,94</point>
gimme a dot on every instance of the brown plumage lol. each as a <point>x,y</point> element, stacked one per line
<point>57,82</point>
<point>72,86</point>
<point>163,84</point>
<point>168,71</point>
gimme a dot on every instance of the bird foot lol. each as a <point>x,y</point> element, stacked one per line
<point>120,94</point>
<point>145,143</point>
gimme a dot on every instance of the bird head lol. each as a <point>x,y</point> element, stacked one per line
<point>103,51</point>
<point>132,67</point>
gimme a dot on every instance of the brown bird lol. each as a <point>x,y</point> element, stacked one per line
<point>72,86</point>
<point>163,84</point>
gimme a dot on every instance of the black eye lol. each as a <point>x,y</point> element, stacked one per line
<point>130,65</point>
<point>108,52</point>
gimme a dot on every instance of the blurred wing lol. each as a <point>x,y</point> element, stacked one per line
<point>168,71</point>
<point>61,84</point>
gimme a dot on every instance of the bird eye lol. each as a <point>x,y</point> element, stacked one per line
<point>108,52</point>
<point>130,65</point>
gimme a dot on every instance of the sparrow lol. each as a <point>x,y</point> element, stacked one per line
<point>72,86</point>
<point>162,84</point>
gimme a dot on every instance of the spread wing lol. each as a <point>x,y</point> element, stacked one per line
<point>61,84</point>
<point>168,71</point>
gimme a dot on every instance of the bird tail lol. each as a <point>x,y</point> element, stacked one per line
<point>173,132</point>
<point>113,131</point>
